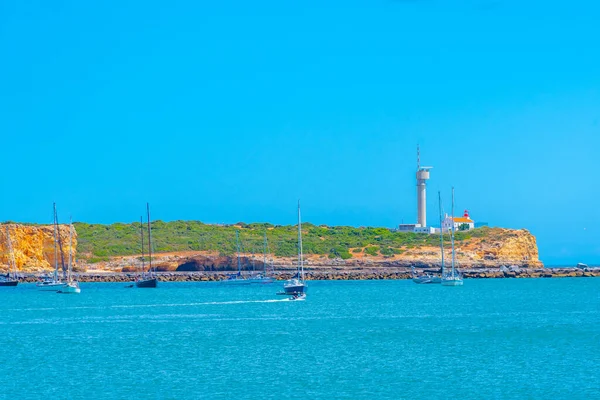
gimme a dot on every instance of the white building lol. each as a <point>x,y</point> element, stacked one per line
<point>458,222</point>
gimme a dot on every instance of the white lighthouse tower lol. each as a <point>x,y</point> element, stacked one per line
<point>422,177</point>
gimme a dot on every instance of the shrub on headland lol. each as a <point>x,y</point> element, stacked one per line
<point>101,242</point>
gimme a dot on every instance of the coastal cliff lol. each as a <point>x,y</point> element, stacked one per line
<point>485,248</point>
<point>33,246</point>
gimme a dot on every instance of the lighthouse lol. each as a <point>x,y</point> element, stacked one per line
<point>422,178</point>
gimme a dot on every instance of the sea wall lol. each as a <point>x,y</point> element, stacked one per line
<point>341,274</point>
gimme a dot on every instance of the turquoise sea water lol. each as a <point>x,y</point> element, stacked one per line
<point>492,339</point>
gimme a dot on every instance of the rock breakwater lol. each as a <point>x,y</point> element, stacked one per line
<point>340,274</point>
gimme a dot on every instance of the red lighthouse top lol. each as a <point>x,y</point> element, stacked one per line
<point>466,214</point>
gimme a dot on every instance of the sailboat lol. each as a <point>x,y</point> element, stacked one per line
<point>71,286</point>
<point>454,278</point>
<point>238,278</point>
<point>149,279</point>
<point>296,286</point>
<point>10,279</point>
<point>263,277</point>
<point>53,283</point>
<point>430,278</point>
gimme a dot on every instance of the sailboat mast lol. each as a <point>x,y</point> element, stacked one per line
<point>237,246</point>
<point>265,253</point>
<point>55,245</point>
<point>70,250</point>
<point>453,256</point>
<point>149,238</point>
<point>300,261</point>
<point>142,236</point>
<point>12,262</point>
<point>441,231</point>
<point>60,247</point>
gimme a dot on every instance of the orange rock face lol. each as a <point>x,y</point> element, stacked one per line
<point>33,246</point>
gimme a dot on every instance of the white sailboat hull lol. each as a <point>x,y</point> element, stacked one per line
<point>70,288</point>
<point>50,286</point>
<point>240,281</point>
<point>262,280</point>
<point>452,282</point>
<point>426,279</point>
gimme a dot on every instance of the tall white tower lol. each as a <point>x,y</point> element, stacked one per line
<point>422,177</point>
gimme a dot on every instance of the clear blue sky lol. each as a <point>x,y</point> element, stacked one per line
<point>232,110</point>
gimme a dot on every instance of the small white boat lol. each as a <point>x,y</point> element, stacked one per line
<point>298,297</point>
<point>581,265</point>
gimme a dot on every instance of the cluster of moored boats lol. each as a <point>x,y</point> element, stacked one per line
<point>295,287</point>
<point>447,278</point>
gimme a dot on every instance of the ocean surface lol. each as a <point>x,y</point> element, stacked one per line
<point>490,339</point>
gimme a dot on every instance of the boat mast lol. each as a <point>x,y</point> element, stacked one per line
<point>453,256</point>
<point>142,236</point>
<point>149,239</point>
<point>300,262</point>
<point>441,231</point>
<point>265,253</point>
<point>62,253</point>
<point>237,244</point>
<point>11,261</point>
<point>55,246</point>
<point>70,250</point>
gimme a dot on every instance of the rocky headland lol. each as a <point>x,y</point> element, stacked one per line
<point>492,253</point>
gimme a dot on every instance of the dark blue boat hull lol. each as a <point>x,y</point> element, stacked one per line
<point>146,283</point>
<point>298,289</point>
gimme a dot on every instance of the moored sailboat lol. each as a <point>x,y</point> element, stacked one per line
<point>263,277</point>
<point>71,286</point>
<point>53,283</point>
<point>147,279</point>
<point>296,286</point>
<point>10,279</point>
<point>237,278</point>
<point>454,278</point>
<point>431,278</point>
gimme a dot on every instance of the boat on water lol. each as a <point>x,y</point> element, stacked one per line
<point>71,286</point>
<point>147,279</point>
<point>10,279</point>
<point>53,283</point>
<point>263,277</point>
<point>296,286</point>
<point>424,278</point>
<point>454,278</point>
<point>238,278</point>
<point>431,278</point>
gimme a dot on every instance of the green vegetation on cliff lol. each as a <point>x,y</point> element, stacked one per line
<point>98,242</point>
